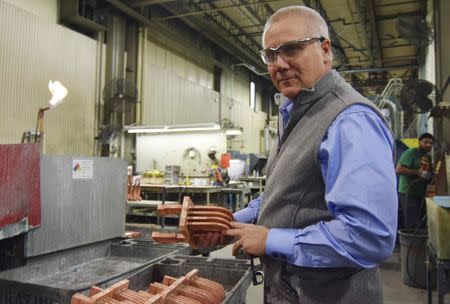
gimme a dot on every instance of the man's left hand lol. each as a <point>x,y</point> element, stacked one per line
<point>252,238</point>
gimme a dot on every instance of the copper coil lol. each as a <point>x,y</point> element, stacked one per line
<point>214,288</point>
<point>178,299</point>
<point>203,296</point>
<point>132,296</point>
<point>206,226</point>
<point>214,219</point>
<point>223,215</point>
<point>109,301</point>
<point>156,288</point>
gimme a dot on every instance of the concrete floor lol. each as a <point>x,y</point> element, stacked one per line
<point>395,292</point>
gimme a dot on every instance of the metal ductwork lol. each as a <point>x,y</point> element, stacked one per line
<point>395,113</point>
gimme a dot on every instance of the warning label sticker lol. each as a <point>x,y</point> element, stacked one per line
<point>82,168</point>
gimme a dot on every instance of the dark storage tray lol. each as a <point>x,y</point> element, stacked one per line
<point>233,274</point>
<point>55,277</point>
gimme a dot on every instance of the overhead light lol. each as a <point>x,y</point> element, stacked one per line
<point>233,132</point>
<point>174,128</point>
<point>231,128</point>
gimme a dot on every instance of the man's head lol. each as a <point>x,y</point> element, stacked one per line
<point>212,152</point>
<point>426,141</point>
<point>294,61</point>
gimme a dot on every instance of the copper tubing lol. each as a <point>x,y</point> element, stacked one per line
<point>214,288</point>
<point>203,296</point>
<point>168,237</point>
<point>181,300</point>
<point>206,226</point>
<point>192,219</point>
<point>132,296</point>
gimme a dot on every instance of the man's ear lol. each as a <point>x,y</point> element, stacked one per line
<point>326,49</point>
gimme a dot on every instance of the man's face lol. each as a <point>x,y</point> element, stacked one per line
<point>426,144</point>
<point>292,75</point>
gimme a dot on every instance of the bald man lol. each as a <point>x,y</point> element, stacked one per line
<point>328,215</point>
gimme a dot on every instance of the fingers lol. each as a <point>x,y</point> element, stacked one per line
<point>214,239</point>
<point>236,246</point>
<point>237,225</point>
<point>234,232</point>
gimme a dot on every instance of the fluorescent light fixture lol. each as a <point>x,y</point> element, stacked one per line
<point>233,132</point>
<point>58,91</point>
<point>174,128</point>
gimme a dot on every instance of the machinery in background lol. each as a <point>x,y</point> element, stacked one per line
<point>120,98</point>
<point>51,203</point>
<point>20,200</point>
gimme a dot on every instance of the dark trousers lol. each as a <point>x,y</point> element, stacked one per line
<point>413,209</point>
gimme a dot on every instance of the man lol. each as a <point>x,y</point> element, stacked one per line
<point>328,214</point>
<point>415,170</point>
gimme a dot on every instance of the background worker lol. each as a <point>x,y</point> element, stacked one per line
<point>415,172</point>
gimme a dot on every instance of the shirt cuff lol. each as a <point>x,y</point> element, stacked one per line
<point>280,243</point>
<point>244,216</point>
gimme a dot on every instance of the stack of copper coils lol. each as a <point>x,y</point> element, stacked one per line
<point>188,289</point>
<point>195,221</point>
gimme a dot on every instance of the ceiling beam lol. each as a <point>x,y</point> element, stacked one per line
<point>367,15</point>
<point>243,48</point>
<point>129,11</point>
<point>206,10</point>
<point>143,3</point>
<point>261,12</point>
<point>380,69</point>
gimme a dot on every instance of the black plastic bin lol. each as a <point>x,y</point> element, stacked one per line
<point>413,247</point>
<point>233,274</point>
<point>55,277</point>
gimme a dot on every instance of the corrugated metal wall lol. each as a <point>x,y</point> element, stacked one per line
<point>176,91</point>
<point>47,9</point>
<point>236,107</point>
<point>34,50</point>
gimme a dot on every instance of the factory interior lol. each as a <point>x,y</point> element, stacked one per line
<point>135,133</point>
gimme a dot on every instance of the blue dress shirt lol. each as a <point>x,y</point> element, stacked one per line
<point>356,157</point>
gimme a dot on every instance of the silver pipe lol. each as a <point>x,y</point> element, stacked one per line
<point>380,69</point>
<point>266,140</point>
<point>98,91</point>
<point>139,70</point>
<point>396,114</point>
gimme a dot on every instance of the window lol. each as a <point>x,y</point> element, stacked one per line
<point>252,95</point>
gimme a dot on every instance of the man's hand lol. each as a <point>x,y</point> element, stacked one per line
<point>252,238</point>
<point>426,175</point>
<point>208,241</point>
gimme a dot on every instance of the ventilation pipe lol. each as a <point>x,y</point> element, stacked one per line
<point>396,114</point>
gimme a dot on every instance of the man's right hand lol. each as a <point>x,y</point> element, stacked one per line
<point>210,240</point>
<point>424,174</point>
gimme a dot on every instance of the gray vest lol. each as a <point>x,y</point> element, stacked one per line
<point>294,197</point>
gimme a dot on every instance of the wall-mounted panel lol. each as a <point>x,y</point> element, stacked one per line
<point>79,206</point>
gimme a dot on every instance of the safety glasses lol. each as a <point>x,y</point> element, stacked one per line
<point>287,50</point>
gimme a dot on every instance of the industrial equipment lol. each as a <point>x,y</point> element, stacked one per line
<point>62,222</point>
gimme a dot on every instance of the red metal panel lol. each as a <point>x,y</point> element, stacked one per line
<point>20,194</point>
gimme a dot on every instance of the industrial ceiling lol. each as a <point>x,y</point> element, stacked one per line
<point>368,45</point>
